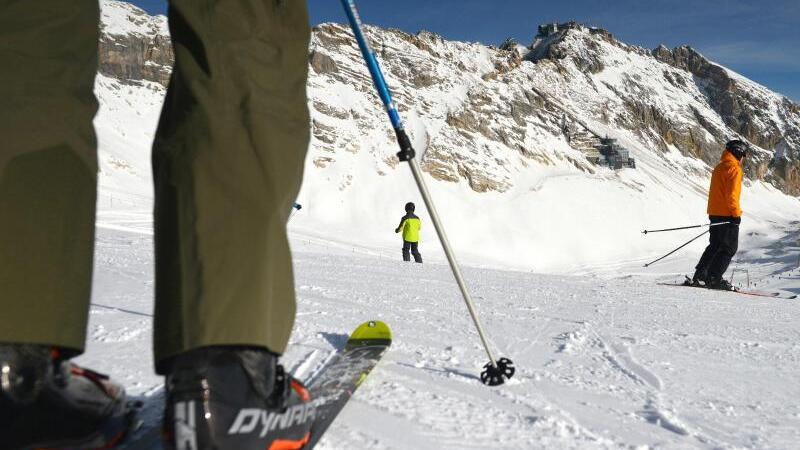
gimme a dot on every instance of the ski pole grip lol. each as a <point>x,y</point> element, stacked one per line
<point>406,152</point>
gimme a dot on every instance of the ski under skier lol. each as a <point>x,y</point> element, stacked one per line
<point>723,208</point>
<point>227,163</point>
<point>410,226</point>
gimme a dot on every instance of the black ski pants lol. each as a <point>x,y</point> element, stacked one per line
<point>723,243</point>
<point>413,248</point>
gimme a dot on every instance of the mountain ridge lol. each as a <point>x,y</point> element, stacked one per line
<point>509,146</point>
<point>140,50</point>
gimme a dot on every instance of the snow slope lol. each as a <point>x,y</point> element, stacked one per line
<point>601,362</point>
<point>125,126</point>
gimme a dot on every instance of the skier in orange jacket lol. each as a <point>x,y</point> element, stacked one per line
<point>723,208</point>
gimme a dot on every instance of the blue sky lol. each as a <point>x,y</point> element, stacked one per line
<point>757,38</point>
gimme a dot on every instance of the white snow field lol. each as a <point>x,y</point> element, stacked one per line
<point>602,362</point>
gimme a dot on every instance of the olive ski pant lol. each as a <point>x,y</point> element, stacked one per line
<point>227,164</point>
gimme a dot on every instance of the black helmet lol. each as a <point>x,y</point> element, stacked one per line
<point>410,207</point>
<point>737,148</point>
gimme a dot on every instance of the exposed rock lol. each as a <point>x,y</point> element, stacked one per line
<point>332,36</point>
<point>745,112</point>
<point>734,106</point>
<point>323,161</point>
<point>136,49</point>
<point>559,45</point>
<point>479,182</point>
<point>136,58</point>
<point>423,80</point>
<point>322,63</point>
<point>330,110</point>
<point>440,163</point>
<point>465,120</point>
<point>509,44</point>
<point>324,133</point>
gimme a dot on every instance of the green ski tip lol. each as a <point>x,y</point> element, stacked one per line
<point>373,332</point>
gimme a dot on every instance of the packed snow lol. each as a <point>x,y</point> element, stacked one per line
<point>602,361</point>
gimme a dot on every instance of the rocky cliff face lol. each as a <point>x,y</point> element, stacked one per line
<point>134,46</point>
<point>484,115</point>
<point>489,111</point>
<point>750,110</point>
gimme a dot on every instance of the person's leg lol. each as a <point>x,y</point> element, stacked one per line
<point>714,242</point>
<point>415,252</point>
<point>48,175</point>
<point>48,170</point>
<point>701,269</point>
<point>729,244</point>
<point>406,250</point>
<point>227,161</point>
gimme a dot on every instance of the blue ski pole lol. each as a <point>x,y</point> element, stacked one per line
<point>496,370</point>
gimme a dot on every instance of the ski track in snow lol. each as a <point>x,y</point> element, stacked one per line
<point>601,362</point>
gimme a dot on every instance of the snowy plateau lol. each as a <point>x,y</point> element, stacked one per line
<point>550,242</point>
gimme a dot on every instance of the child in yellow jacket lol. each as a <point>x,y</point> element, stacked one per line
<point>410,226</point>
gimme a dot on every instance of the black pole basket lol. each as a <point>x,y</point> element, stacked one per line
<point>495,376</point>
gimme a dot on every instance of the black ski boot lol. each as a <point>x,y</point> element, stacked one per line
<point>699,279</point>
<point>48,402</point>
<point>234,398</point>
<point>720,284</point>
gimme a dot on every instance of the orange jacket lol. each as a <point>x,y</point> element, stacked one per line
<point>726,187</point>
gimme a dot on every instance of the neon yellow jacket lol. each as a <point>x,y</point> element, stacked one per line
<point>410,225</point>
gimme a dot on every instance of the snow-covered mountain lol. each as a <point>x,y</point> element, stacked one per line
<point>134,46</point>
<point>487,112</point>
<point>508,136</point>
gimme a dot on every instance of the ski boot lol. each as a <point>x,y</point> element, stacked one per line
<point>720,284</point>
<point>699,279</point>
<point>234,398</point>
<point>48,402</point>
